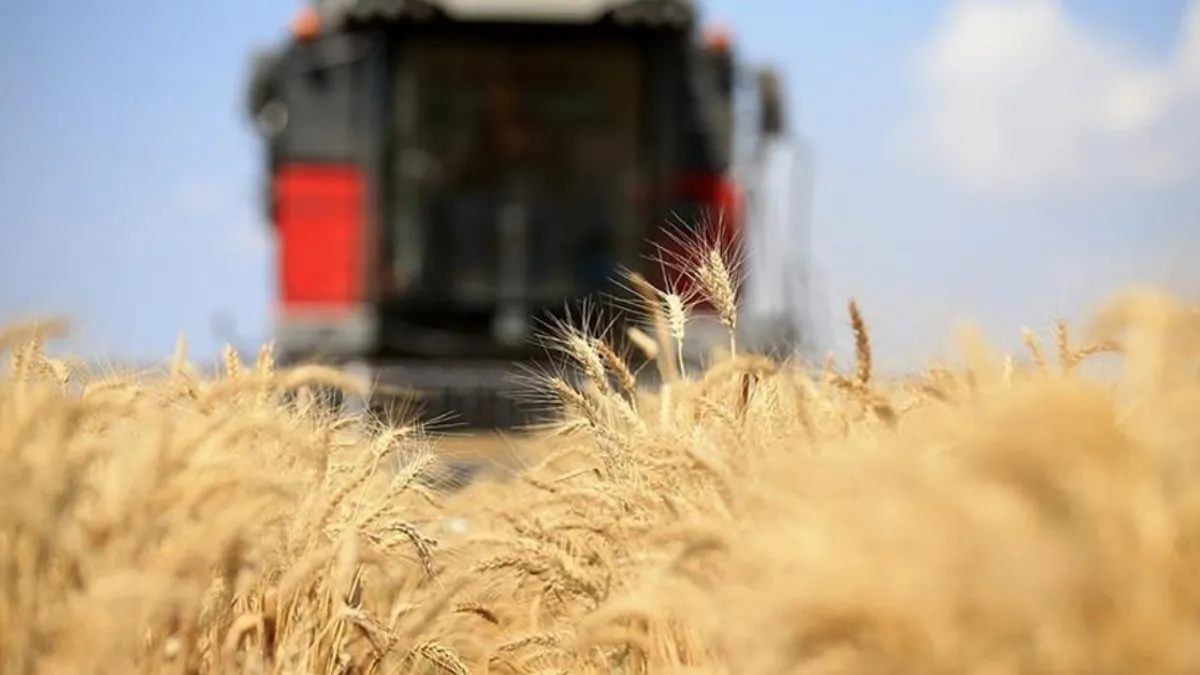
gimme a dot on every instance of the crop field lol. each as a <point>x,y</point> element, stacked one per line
<point>994,514</point>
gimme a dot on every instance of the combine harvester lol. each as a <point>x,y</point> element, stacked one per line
<point>445,175</point>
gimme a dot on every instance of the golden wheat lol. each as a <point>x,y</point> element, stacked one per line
<point>757,517</point>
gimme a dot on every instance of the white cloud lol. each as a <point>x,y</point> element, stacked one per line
<point>198,198</point>
<point>1020,98</point>
<point>250,236</point>
<point>224,213</point>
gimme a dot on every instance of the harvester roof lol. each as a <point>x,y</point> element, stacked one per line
<point>679,13</point>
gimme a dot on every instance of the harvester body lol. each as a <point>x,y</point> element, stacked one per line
<point>447,176</point>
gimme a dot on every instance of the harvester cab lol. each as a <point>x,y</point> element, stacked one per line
<point>445,175</point>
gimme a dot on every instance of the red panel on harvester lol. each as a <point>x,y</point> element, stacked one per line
<point>319,216</point>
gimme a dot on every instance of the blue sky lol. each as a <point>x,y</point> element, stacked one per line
<point>1006,160</point>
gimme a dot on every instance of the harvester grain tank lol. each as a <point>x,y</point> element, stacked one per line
<point>444,175</point>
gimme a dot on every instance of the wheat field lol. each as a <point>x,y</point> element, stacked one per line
<point>994,514</point>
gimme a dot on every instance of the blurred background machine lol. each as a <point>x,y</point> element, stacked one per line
<point>445,175</point>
